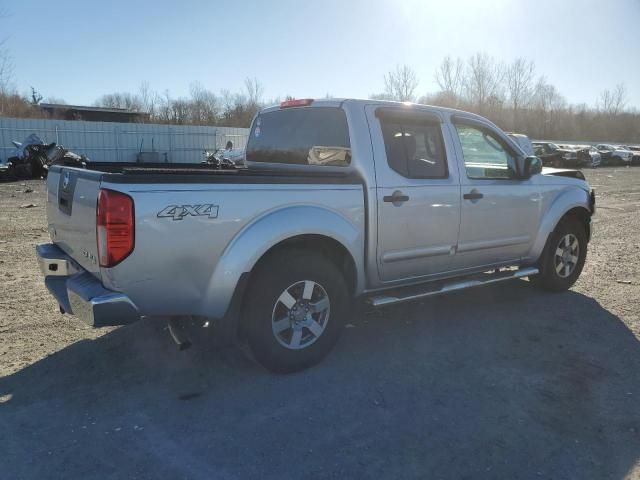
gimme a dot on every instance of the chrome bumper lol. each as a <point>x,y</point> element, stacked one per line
<point>80,293</point>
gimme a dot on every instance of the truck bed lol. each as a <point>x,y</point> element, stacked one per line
<point>189,217</point>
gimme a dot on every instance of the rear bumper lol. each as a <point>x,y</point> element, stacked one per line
<point>80,293</point>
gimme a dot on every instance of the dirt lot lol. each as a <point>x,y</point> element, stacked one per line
<point>501,382</point>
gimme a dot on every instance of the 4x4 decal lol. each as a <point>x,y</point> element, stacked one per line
<point>178,212</point>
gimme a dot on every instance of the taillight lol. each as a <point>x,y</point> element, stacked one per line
<point>114,227</point>
<point>300,102</point>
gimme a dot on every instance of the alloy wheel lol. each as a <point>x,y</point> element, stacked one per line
<point>300,314</point>
<point>566,256</point>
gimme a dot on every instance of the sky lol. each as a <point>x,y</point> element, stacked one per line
<point>79,50</point>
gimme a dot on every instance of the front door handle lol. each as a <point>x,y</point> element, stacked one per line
<point>396,197</point>
<point>473,195</point>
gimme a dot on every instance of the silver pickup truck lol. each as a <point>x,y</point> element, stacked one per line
<point>384,201</point>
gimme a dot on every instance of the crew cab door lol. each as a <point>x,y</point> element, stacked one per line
<point>417,192</point>
<point>500,213</point>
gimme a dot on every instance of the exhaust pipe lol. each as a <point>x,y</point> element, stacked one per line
<point>178,333</point>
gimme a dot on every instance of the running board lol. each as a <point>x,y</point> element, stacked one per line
<point>439,288</point>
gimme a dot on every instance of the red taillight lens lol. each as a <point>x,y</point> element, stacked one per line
<point>114,227</point>
<point>300,102</point>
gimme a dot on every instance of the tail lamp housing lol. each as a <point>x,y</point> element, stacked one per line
<point>299,102</point>
<point>115,229</point>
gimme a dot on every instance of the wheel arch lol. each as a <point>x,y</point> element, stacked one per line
<point>312,227</point>
<point>571,203</point>
<point>583,216</point>
<point>329,247</point>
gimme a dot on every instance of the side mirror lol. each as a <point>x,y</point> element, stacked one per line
<point>532,166</point>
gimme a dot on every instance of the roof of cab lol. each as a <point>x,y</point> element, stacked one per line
<point>339,102</point>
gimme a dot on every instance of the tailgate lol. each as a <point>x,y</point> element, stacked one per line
<point>72,195</point>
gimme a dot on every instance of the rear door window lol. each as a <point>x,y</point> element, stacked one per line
<point>301,136</point>
<point>414,146</point>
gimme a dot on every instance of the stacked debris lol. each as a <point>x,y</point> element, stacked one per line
<point>32,159</point>
<point>225,159</point>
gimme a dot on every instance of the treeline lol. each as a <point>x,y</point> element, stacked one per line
<point>201,107</point>
<point>512,95</point>
<point>517,99</point>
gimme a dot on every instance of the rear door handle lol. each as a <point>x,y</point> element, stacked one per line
<point>473,195</point>
<point>396,197</point>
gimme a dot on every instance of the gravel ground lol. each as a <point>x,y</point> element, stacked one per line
<point>500,382</point>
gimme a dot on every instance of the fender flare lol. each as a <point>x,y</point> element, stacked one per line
<point>569,199</point>
<point>267,231</point>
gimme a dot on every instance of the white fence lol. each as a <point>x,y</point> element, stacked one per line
<point>122,142</point>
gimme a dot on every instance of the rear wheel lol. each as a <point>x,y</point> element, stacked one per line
<point>563,257</point>
<point>296,306</point>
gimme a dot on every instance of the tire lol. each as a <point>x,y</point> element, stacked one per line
<point>557,163</point>
<point>617,161</point>
<point>559,273</point>
<point>283,331</point>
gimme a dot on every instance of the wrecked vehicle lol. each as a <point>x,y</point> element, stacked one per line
<point>555,156</point>
<point>28,160</point>
<point>614,154</point>
<point>32,158</point>
<point>217,159</point>
<point>227,158</point>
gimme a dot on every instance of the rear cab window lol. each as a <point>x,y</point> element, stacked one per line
<point>301,136</point>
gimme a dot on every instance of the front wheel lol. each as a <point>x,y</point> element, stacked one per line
<point>563,257</point>
<point>295,310</point>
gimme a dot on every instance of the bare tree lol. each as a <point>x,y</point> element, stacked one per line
<point>36,96</point>
<point>547,104</point>
<point>613,101</point>
<point>450,78</point>
<point>125,100</point>
<point>400,84</point>
<point>483,80</point>
<point>148,99</point>
<point>519,80</point>
<point>55,100</point>
<point>255,91</point>
<point>203,105</point>
<point>6,69</point>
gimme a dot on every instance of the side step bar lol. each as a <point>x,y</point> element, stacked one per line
<point>439,288</point>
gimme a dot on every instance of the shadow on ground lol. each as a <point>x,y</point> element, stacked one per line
<point>500,382</point>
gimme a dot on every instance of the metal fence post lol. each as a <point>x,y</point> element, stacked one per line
<point>115,134</point>
<point>170,143</point>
